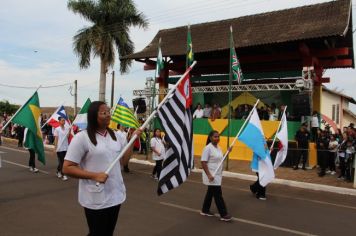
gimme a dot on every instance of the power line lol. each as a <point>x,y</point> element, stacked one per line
<point>31,87</point>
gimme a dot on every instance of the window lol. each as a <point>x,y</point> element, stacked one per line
<point>335,113</point>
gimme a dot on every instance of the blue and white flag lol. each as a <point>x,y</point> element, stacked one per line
<point>254,138</point>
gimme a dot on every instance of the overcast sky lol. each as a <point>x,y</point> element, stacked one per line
<point>36,46</point>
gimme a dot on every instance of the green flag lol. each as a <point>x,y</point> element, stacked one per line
<point>159,63</point>
<point>29,117</point>
<point>234,61</point>
<point>190,54</point>
<point>81,120</point>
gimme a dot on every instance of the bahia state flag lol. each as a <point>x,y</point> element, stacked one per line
<point>81,120</point>
<point>29,117</point>
<point>254,138</point>
<point>54,119</point>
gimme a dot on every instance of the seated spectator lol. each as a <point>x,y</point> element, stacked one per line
<point>198,113</point>
<point>207,111</point>
<point>216,112</point>
<point>238,112</point>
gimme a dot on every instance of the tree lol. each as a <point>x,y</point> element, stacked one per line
<point>8,108</point>
<point>111,20</point>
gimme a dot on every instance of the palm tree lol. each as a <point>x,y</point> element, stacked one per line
<point>110,30</point>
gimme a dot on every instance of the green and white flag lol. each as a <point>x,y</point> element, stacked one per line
<point>234,61</point>
<point>81,120</point>
<point>29,116</point>
<point>160,62</point>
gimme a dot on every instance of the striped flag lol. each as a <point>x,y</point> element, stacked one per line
<point>176,119</point>
<point>124,116</point>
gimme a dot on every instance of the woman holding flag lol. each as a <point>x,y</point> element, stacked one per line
<point>210,159</point>
<point>89,154</point>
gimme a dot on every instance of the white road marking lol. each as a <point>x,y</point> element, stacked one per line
<point>251,222</point>
<point>20,165</point>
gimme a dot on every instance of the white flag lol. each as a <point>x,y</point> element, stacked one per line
<point>282,136</point>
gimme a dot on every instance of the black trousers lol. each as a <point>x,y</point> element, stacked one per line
<point>102,222</point>
<point>157,169</point>
<point>301,154</point>
<point>257,188</point>
<point>323,156</point>
<point>331,164</point>
<point>31,162</point>
<point>216,193</point>
<point>60,157</point>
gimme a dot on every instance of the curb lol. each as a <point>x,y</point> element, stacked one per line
<point>11,140</point>
<point>291,183</point>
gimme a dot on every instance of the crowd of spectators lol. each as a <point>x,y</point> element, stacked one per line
<point>271,113</point>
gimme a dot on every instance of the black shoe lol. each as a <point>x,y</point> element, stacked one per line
<point>295,168</point>
<point>261,197</point>
<point>303,168</point>
<point>126,170</point>
<point>226,218</point>
<point>321,174</point>
<point>253,191</point>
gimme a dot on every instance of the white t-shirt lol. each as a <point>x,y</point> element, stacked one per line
<point>315,122</point>
<point>62,138</point>
<point>97,159</point>
<point>212,155</point>
<point>158,145</point>
<point>198,113</point>
<point>123,136</point>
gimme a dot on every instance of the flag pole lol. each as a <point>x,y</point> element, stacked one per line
<point>230,98</point>
<point>275,136</point>
<point>236,137</point>
<point>18,110</point>
<point>133,138</point>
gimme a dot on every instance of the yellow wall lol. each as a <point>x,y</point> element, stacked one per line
<point>317,99</point>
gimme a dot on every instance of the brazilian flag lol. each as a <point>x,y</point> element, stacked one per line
<point>29,116</point>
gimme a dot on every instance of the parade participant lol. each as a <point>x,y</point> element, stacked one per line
<point>256,188</point>
<point>61,146</point>
<point>302,137</point>
<point>210,159</point>
<point>121,131</point>
<point>89,155</point>
<point>158,152</point>
<point>32,159</point>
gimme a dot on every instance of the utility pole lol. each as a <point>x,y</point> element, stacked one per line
<point>112,88</point>
<point>75,97</point>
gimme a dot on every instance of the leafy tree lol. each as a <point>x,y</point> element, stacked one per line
<point>111,21</point>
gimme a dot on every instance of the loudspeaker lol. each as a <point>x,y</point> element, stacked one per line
<point>140,104</point>
<point>301,104</point>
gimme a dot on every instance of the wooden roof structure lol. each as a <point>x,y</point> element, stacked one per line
<point>318,35</point>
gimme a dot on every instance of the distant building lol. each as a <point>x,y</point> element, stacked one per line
<point>335,108</point>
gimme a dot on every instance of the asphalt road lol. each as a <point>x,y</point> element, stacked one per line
<point>41,204</point>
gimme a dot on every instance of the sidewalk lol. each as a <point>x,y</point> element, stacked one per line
<point>283,173</point>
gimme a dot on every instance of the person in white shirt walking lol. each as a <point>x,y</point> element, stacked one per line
<point>61,146</point>
<point>210,159</point>
<point>199,112</point>
<point>89,154</point>
<point>158,152</point>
